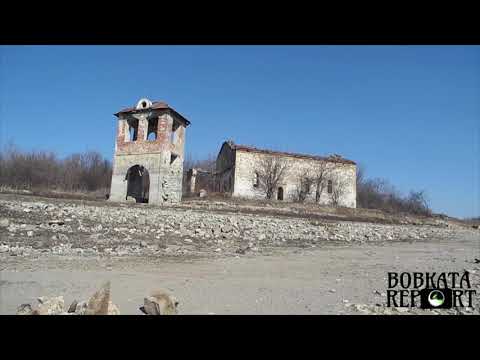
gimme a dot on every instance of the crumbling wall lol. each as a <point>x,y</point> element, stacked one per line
<point>198,179</point>
<point>225,170</point>
<point>162,158</point>
<point>247,163</point>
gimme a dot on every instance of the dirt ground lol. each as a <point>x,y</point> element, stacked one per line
<point>323,280</point>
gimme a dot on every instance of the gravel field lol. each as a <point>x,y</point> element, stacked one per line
<point>220,258</point>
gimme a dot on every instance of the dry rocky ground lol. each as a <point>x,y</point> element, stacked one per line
<point>74,235</point>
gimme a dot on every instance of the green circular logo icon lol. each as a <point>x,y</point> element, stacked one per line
<point>436,298</point>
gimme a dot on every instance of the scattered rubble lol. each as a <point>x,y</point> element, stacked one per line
<point>75,228</point>
<point>364,309</point>
<point>98,304</point>
<point>159,302</point>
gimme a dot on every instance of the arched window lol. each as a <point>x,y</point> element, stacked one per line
<point>138,183</point>
<point>132,130</point>
<point>152,136</point>
<point>255,179</point>
<point>280,193</point>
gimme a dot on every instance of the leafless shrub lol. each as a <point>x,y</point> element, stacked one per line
<point>44,170</point>
<point>271,171</point>
<point>378,193</point>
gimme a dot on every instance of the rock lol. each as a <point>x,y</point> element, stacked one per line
<point>332,290</point>
<point>50,306</point>
<point>39,244</point>
<point>360,307</point>
<point>81,308</point>
<point>188,241</point>
<point>56,222</point>
<point>98,303</point>
<point>143,244</point>
<point>4,222</point>
<point>216,231</point>
<point>202,193</point>
<point>113,309</point>
<point>29,233</point>
<point>28,227</point>
<point>4,248</point>
<point>62,237</point>
<point>227,229</point>
<point>25,309</point>
<point>160,303</point>
<point>173,248</point>
<point>73,307</point>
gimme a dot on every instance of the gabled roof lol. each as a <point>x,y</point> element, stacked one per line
<point>332,158</point>
<point>156,105</point>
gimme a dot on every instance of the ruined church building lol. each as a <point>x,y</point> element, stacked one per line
<point>149,155</point>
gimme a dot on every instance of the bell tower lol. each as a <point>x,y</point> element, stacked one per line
<point>149,153</point>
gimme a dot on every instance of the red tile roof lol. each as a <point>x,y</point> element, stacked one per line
<point>331,158</point>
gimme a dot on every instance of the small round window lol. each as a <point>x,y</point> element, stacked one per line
<point>143,104</point>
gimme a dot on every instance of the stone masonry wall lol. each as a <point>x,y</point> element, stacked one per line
<point>162,159</point>
<point>248,162</point>
<point>225,169</point>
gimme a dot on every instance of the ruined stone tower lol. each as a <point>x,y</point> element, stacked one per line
<point>148,160</point>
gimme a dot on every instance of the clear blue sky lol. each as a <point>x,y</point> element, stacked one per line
<point>410,114</point>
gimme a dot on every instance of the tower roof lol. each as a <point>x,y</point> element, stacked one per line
<point>155,105</point>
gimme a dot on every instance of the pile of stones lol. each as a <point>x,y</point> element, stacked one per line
<point>158,303</point>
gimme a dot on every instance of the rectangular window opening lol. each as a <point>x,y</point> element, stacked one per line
<point>132,130</point>
<point>152,129</point>
<point>330,186</point>
<point>173,133</point>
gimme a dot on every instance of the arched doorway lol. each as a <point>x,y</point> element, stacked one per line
<point>138,183</point>
<point>280,193</point>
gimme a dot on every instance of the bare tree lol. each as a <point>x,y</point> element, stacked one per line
<point>417,203</point>
<point>339,187</point>
<point>321,174</point>
<point>304,187</point>
<point>271,172</point>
